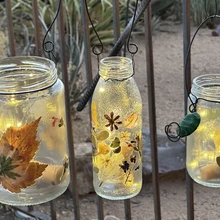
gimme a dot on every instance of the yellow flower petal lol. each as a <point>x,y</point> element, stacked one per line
<point>94,114</point>
<point>103,149</point>
<point>130,121</point>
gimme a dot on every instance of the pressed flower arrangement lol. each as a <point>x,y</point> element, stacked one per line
<point>117,131</point>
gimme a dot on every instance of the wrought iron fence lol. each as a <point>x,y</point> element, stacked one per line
<point>146,10</point>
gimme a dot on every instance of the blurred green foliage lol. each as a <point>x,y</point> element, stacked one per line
<point>101,12</point>
<point>201,9</point>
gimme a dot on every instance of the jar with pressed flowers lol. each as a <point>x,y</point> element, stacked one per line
<point>116,111</point>
<point>203,146</point>
<point>33,138</point>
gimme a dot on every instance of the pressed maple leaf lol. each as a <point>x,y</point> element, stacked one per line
<point>17,148</point>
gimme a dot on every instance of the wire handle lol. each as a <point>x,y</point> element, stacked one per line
<point>115,50</point>
<point>48,46</point>
<point>193,99</point>
<point>187,58</point>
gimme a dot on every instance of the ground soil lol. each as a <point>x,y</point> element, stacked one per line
<point>168,70</point>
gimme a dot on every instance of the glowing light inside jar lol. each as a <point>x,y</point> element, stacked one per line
<point>101,89</point>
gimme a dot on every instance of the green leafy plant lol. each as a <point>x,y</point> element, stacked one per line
<point>101,12</point>
<point>24,34</point>
<point>201,9</point>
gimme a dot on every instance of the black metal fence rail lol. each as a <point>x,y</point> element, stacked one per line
<point>88,64</point>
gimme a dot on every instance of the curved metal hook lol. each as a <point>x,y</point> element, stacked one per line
<point>172,137</point>
<point>189,49</point>
<point>193,105</point>
<point>132,25</point>
<point>46,43</point>
<point>99,46</point>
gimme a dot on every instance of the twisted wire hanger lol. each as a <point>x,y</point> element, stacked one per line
<point>97,49</point>
<point>128,46</point>
<point>126,22</point>
<point>128,40</point>
<point>115,50</point>
<point>169,130</point>
<point>129,36</point>
<point>48,46</point>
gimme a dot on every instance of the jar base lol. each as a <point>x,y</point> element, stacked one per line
<point>117,192</point>
<point>196,176</point>
<point>32,195</point>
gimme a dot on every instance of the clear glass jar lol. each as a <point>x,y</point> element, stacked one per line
<point>203,146</point>
<point>117,131</point>
<point>33,138</point>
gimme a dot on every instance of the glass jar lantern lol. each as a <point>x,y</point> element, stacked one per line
<point>203,146</point>
<point>116,111</point>
<point>33,138</point>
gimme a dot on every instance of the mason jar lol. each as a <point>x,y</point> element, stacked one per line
<point>116,111</point>
<point>203,146</point>
<point>33,137</point>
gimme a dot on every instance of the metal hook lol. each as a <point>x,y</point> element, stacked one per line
<point>115,50</point>
<point>48,46</point>
<point>172,137</point>
<point>132,25</point>
<point>126,22</point>
<point>193,105</point>
<point>189,49</point>
<point>97,46</point>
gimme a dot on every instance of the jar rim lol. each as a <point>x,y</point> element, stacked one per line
<point>116,67</point>
<point>206,86</point>
<point>24,74</point>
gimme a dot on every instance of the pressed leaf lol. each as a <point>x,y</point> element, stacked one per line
<point>23,139</point>
<point>27,175</point>
<point>189,124</point>
<point>102,135</point>
<point>96,169</point>
<point>93,140</point>
<point>218,161</point>
<point>17,148</point>
<point>115,143</point>
<point>130,121</point>
<point>117,150</point>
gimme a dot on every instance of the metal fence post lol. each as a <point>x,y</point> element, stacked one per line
<point>152,112</point>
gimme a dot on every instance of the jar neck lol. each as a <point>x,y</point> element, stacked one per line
<point>26,74</point>
<point>207,87</point>
<point>116,68</point>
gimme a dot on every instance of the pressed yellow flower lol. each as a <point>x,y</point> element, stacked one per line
<point>103,148</point>
<point>125,136</point>
<point>112,173</point>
